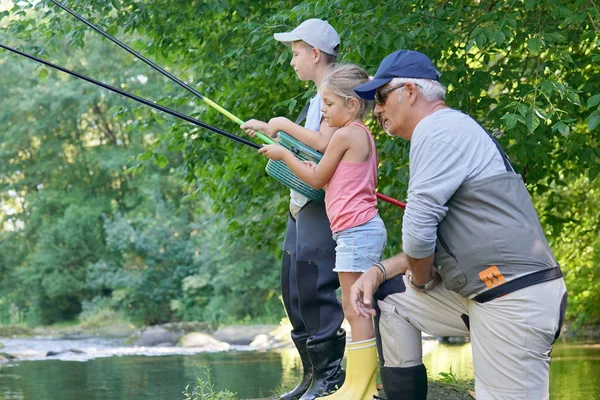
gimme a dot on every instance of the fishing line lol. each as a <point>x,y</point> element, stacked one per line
<point>136,98</point>
<point>184,85</point>
<point>280,172</point>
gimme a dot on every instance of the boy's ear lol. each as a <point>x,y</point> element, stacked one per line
<point>316,53</point>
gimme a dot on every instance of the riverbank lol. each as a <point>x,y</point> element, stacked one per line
<point>189,339</point>
<point>76,341</point>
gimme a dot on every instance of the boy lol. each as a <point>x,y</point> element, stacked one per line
<point>308,283</point>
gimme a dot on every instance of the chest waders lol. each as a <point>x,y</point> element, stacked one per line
<point>308,288</point>
<point>490,225</point>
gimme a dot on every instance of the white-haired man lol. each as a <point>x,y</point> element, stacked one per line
<point>471,226</point>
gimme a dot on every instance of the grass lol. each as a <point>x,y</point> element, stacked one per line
<point>205,389</point>
<point>446,387</point>
<point>449,379</point>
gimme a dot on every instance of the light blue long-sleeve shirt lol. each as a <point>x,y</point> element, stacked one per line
<point>447,148</point>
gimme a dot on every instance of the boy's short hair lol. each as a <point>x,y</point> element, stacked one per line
<point>329,59</point>
<point>316,33</point>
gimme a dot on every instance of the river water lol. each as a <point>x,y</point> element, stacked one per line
<point>109,370</point>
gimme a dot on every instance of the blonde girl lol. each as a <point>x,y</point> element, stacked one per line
<point>348,173</point>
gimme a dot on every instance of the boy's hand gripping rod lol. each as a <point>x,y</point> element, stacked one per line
<point>190,89</point>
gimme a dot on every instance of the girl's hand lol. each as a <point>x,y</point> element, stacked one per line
<point>277,124</point>
<point>273,151</point>
<point>310,163</point>
<point>255,125</point>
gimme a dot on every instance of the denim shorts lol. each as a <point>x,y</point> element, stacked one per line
<point>360,247</point>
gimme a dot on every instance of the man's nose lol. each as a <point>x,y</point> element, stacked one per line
<point>378,110</point>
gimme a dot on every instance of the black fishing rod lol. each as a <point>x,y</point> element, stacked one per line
<point>184,85</point>
<point>136,98</point>
<point>283,174</point>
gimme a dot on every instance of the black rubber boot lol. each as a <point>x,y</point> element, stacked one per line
<point>326,357</point>
<point>309,294</point>
<point>404,383</point>
<point>304,384</point>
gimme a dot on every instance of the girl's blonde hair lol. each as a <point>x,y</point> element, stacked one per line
<point>342,80</point>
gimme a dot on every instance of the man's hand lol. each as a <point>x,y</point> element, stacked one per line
<point>273,151</point>
<point>255,125</point>
<point>361,293</point>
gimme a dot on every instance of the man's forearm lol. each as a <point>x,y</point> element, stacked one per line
<point>421,269</point>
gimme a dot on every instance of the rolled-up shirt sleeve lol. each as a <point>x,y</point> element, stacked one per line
<point>437,169</point>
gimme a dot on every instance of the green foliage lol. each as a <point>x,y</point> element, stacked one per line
<point>574,231</point>
<point>526,70</point>
<point>205,390</point>
<point>82,236</point>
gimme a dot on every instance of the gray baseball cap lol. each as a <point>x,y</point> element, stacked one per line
<point>315,32</point>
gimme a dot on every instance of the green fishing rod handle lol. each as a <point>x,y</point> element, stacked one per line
<point>281,172</point>
<point>265,138</point>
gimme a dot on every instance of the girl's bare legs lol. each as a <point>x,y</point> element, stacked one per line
<point>361,368</point>
<point>362,329</point>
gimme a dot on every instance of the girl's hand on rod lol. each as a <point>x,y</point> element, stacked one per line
<point>273,151</point>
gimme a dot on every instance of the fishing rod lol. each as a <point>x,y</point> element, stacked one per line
<point>278,172</point>
<point>184,85</point>
<point>136,98</point>
<point>391,200</point>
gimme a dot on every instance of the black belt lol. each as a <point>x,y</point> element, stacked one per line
<point>519,283</point>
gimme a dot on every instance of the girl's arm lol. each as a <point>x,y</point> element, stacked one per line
<point>317,140</point>
<point>316,176</point>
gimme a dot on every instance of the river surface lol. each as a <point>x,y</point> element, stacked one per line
<point>109,370</point>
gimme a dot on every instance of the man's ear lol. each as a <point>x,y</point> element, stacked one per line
<point>412,90</point>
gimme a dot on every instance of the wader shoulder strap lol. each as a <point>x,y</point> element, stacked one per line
<point>303,113</point>
<point>507,163</point>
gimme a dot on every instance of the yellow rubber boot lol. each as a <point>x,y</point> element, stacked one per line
<point>361,372</point>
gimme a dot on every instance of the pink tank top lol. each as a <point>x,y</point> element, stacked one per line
<point>350,198</point>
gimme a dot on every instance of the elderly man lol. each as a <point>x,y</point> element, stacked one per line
<point>475,260</point>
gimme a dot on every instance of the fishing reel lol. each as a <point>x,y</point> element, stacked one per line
<point>281,172</point>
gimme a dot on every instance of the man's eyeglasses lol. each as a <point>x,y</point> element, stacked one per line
<point>380,96</point>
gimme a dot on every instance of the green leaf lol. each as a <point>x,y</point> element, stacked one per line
<point>535,46</point>
<point>532,121</point>
<point>161,160</point>
<point>292,105</point>
<point>561,127</point>
<point>594,120</point>
<point>593,172</point>
<point>43,73</point>
<point>145,156</point>
<point>529,4</point>
<point>511,120</point>
<point>593,101</point>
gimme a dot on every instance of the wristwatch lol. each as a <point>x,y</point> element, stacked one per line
<point>426,286</point>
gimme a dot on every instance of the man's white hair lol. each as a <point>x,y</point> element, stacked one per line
<point>432,90</point>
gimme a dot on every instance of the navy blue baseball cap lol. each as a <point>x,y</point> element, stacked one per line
<point>399,64</point>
